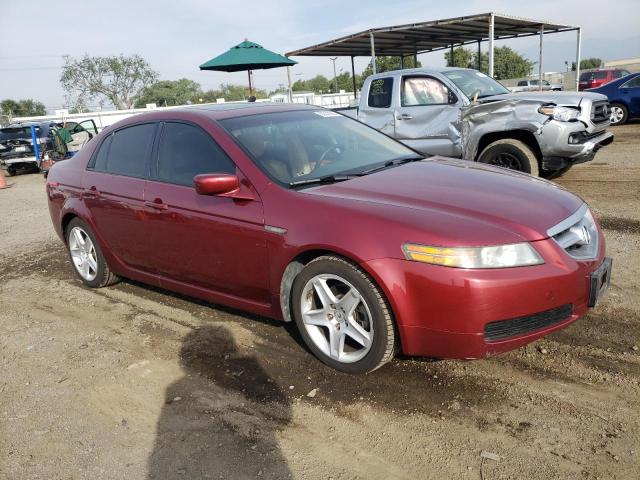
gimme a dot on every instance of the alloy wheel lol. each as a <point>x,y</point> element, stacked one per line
<point>337,318</point>
<point>617,114</point>
<point>507,160</point>
<point>83,254</point>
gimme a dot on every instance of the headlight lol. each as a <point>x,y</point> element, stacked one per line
<point>562,114</point>
<point>500,256</point>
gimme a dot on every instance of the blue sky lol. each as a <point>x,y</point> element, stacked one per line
<point>175,37</point>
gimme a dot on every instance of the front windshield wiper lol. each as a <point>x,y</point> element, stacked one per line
<point>325,179</point>
<point>394,162</point>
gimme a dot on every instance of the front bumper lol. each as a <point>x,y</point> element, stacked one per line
<point>558,152</point>
<point>443,312</point>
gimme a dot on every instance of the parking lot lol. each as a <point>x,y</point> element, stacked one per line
<point>133,382</point>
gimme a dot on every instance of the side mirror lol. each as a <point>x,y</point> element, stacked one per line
<point>216,183</point>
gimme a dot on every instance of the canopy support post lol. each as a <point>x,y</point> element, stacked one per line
<point>250,86</point>
<point>401,62</point>
<point>578,44</point>
<point>540,59</point>
<point>353,78</point>
<point>452,60</point>
<point>491,25</point>
<point>373,53</point>
<point>290,89</point>
<point>479,59</point>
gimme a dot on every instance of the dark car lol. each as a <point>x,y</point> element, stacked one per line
<point>600,76</point>
<point>303,214</point>
<point>624,98</point>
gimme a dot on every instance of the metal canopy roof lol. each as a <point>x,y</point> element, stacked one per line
<point>414,38</point>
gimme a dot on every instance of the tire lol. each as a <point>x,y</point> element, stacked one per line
<point>360,303</point>
<point>510,153</point>
<point>619,114</point>
<point>97,273</point>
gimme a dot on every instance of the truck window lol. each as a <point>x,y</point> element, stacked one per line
<point>522,83</point>
<point>380,92</point>
<point>418,91</point>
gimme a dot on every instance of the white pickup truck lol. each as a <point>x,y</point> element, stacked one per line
<point>463,113</point>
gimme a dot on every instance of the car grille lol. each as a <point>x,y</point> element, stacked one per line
<point>600,112</point>
<point>577,234</point>
<point>496,331</point>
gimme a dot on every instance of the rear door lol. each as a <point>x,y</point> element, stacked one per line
<point>427,116</point>
<point>113,190</point>
<point>378,111</point>
<point>217,243</point>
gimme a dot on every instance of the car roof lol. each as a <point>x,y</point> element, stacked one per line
<point>429,71</point>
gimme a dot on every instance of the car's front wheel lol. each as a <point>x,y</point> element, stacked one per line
<point>510,153</point>
<point>619,114</point>
<point>343,316</point>
<point>86,256</point>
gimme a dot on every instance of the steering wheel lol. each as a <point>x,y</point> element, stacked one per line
<point>332,147</point>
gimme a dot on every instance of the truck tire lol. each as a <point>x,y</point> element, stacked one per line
<point>510,153</point>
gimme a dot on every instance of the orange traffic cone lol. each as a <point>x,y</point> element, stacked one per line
<point>3,182</point>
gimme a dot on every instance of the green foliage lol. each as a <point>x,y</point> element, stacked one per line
<point>118,79</point>
<point>317,84</point>
<point>229,92</point>
<point>507,63</point>
<point>169,93</point>
<point>587,63</point>
<point>22,108</point>
<point>386,64</point>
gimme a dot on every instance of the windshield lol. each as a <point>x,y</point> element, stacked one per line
<point>472,82</point>
<point>300,146</point>
<point>16,133</point>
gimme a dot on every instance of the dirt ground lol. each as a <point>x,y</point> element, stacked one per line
<point>132,382</point>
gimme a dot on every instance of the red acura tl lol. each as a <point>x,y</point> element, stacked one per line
<point>302,214</point>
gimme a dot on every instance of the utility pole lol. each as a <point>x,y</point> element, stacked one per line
<point>335,80</point>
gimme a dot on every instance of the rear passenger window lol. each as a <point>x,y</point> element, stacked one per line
<point>380,93</point>
<point>125,152</point>
<point>185,151</point>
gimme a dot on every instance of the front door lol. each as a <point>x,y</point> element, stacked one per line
<point>212,242</point>
<point>427,116</point>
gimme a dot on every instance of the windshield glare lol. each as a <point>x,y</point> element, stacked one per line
<point>305,145</point>
<point>472,82</point>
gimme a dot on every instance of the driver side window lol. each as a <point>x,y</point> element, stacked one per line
<point>418,91</point>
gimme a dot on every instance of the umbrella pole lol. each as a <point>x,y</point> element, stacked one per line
<point>250,86</point>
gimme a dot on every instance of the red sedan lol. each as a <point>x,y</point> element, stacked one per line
<point>302,214</point>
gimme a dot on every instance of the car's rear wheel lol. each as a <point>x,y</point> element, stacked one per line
<point>86,256</point>
<point>510,153</point>
<point>343,316</point>
<point>619,114</point>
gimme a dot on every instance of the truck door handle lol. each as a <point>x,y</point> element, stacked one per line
<point>157,204</point>
<point>92,192</point>
<point>404,116</point>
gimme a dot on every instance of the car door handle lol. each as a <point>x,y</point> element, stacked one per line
<point>404,116</point>
<point>92,192</point>
<point>157,204</point>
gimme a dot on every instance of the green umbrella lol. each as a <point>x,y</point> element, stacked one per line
<point>247,56</point>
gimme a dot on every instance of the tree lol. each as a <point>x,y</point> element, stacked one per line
<point>22,108</point>
<point>170,92</point>
<point>507,63</point>
<point>229,92</point>
<point>386,64</point>
<point>587,63</point>
<point>118,79</point>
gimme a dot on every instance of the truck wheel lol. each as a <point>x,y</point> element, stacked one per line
<point>619,114</point>
<point>510,153</point>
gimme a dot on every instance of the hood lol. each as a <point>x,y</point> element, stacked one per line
<point>456,202</point>
<point>559,98</point>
